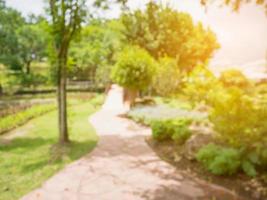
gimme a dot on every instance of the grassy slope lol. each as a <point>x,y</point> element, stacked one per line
<point>28,161</point>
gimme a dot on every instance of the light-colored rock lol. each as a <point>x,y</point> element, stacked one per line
<point>201,136</point>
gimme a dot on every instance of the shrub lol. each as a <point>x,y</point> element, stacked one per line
<point>162,130</point>
<point>181,130</point>
<point>253,158</point>
<point>201,82</point>
<point>31,80</point>
<point>219,160</point>
<point>227,160</point>
<point>234,77</point>
<point>134,69</point>
<point>176,130</point>
<point>167,78</point>
<point>238,119</point>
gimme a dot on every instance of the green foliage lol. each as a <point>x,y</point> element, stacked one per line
<point>249,168</point>
<point>95,51</point>
<point>200,84</point>
<point>168,77</point>
<point>234,77</point>
<point>134,69</point>
<point>176,130</point>
<point>238,118</point>
<point>10,21</point>
<point>98,100</point>
<point>32,39</point>
<point>163,31</point>
<point>31,80</point>
<point>12,121</point>
<point>162,130</point>
<point>219,160</point>
<point>182,131</point>
<point>35,154</point>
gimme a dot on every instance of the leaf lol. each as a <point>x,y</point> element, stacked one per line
<point>254,157</point>
<point>249,168</point>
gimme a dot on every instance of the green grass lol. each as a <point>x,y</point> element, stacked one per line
<point>26,162</point>
<point>15,120</point>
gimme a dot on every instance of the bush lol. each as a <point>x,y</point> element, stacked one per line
<point>234,77</point>
<point>227,160</point>
<point>176,130</point>
<point>181,130</point>
<point>134,69</point>
<point>238,119</point>
<point>31,80</point>
<point>168,77</point>
<point>219,160</point>
<point>201,82</point>
<point>162,130</point>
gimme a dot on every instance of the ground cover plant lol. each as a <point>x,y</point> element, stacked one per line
<point>175,129</point>
<point>12,121</point>
<point>28,161</point>
<point>148,114</point>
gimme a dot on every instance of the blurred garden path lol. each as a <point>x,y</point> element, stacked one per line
<point>123,167</point>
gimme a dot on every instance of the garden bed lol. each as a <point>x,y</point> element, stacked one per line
<point>243,185</point>
<point>179,134</point>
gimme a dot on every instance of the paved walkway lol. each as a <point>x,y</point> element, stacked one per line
<point>123,167</point>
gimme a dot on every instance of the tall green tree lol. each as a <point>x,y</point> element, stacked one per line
<point>134,70</point>
<point>66,19</point>
<point>10,21</point>
<point>163,31</point>
<point>94,52</point>
<point>32,44</point>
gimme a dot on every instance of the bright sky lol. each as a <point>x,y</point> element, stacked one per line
<point>243,35</point>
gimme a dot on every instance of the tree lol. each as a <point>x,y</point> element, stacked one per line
<point>10,21</point>
<point>168,77</point>
<point>67,17</point>
<point>94,52</point>
<point>32,44</point>
<point>163,31</point>
<point>234,77</point>
<point>134,70</point>
<point>236,4</point>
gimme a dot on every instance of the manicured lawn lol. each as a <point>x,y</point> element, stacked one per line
<point>26,162</point>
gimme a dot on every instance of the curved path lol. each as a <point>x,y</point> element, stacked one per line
<point>123,167</point>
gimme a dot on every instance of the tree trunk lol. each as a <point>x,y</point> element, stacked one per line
<point>28,67</point>
<point>1,90</point>
<point>62,98</point>
<point>129,96</point>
